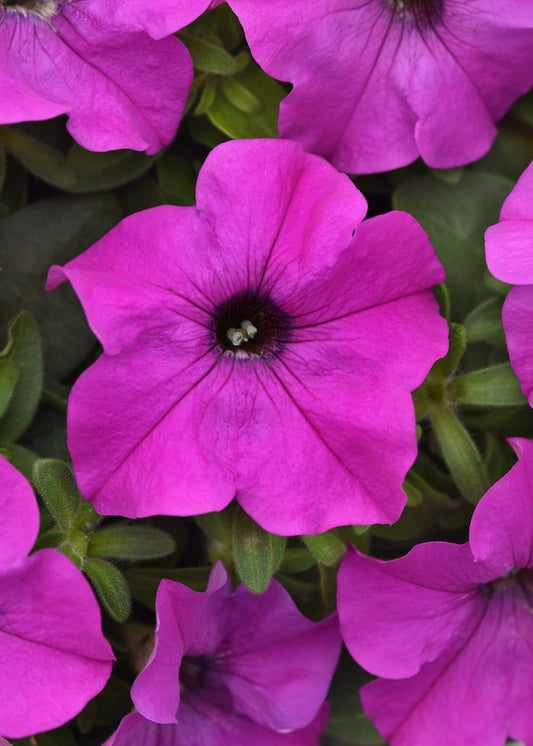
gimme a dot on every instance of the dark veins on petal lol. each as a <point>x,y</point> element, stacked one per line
<point>42,8</point>
<point>249,323</point>
<point>421,13</point>
<point>518,583</point>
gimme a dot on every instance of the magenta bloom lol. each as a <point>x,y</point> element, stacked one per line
<point>251,669</point>
<point>95,62</point>
<point>450,627</point>
<point>509,251</point>
<point>54,656</point>
<point>379,82</point>
<point>253,346</point>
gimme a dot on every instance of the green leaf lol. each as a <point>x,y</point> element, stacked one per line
<point>23,351</point>
<point>80,171</point>
<point>460,453</point>
<point>484,323</point>
<point>21,458</point>
<point>177,176</point>
<point>57,486</point>
<point>240,125</point>
<point>327,548</point>
<point>8,380</point>
<point>455,217</point>
<point>496,386</point>
<point>297,559</point>
<point>209,56</point>
<point>257,554</point>
<point>110,586</point>
<point>52,232</point>
<point>130,542</point>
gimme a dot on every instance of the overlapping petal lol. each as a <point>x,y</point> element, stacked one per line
<point>374,86</point>
<point>107,78</point>
<point>20,516</point>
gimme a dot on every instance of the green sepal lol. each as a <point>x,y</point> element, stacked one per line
<point>460,454</point>
<point>110,586</point>
<point>23,350</point>
<point>241,98</point>
<point>496,386</point>
<point>209,56</point>
<point>57,486</point>
<point>256,553</point>
<point>130,542</point>
<point>326,547</point>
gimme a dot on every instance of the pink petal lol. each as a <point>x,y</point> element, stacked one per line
<point>54,656</point>
<point>508,250</point>
<point>478,692</point>
<point>518,205</point>
<point>280,216</point>
<point>395,616</point>
<point>158,19</point>
<point>20,516</point>
<point>518,326</point>
<point>501,530</point>
<point>105,77</point>
<point>204,728</point>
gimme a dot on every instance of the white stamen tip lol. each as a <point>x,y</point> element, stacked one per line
<point>248,328</point>
<point>235,336</point>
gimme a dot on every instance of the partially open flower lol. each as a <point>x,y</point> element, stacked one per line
<point>376,83</point>
<point>232,669</point>
<point>449,627</point>
<point>120,87</point>
<point>261,345</point>
<point>54,655</point>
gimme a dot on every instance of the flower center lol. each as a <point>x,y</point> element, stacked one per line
<point>421,13</point>
<point>518,582</point>
<point>249,324</point>
<point>41,8</point>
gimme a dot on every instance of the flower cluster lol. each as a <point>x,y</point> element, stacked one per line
<point>275,377</point>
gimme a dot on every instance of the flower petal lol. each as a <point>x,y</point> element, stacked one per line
<point>20,516</point>
<point>54,656</point>
<point>478,692</point>
<point>501,530</point>
<point>395,616</point>
<point>508,250</point>
<point>106,78</point>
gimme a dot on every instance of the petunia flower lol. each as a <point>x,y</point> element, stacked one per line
<point>509,252</point>
<point>100,65</point>
<point>376,83</point>
<point>232,669</point>
<point>54,656</point>
<point>450,627</point>
<point>254,346</point>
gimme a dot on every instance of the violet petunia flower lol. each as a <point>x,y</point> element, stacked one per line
<point>449,627</point>
<point>376,83</point>
<point>90,59</point>
<point>232,669</point>
<point>263,344</point>
<point>54,656</point>
<point>509,252</point>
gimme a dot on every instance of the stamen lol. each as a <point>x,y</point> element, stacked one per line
<point>235,336</point>
<point>248,328</point>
